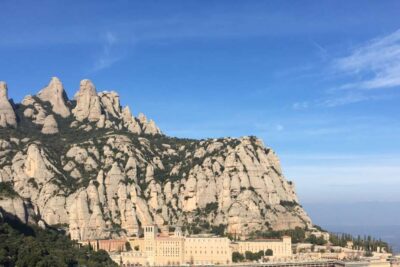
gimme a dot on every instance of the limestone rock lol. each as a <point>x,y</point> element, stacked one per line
<point>34,110</point>
<point>151,128</point>
<point>50,125</point>
<point>130,122</point>
<point>109,172</point>
<point>110,102</point>
<point>37,165</point>
<point>15,206</point>
<point>87,102</point>
<point>7,114</point>
<point>55,94</point>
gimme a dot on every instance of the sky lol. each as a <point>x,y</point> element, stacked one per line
<point>318,81</point>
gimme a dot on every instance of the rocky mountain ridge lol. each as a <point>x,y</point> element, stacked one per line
<point>88,165</point>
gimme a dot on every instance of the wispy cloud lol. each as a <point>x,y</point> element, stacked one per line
<point>376,63</point>
<point>279,127</point>
<point>350,98</point>
<point>365,69</point>
<point>321,51</point>
<point>300,105</point>
<point>337,99</point>
<point>108,56</point>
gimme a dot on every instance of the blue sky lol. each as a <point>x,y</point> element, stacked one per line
<point>318,81</point>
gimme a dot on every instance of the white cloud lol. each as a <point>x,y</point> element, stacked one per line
<point>108,56</point>
<point>377,63</point>
<point>300,105</point>
<point>279,127</point>
<point>346,99</point>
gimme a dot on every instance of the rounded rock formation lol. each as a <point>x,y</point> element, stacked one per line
<point>87,102</point>
<point>7,114</point>
<point>50,125</point>
<point>55,94</point>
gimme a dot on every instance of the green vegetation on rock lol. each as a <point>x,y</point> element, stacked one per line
<point>29,246</point>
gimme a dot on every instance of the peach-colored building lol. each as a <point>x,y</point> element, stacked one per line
<point>175,249</point>
<point>208,250</point>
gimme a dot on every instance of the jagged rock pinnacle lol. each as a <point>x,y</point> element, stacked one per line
<point>87,102</point>
<point>55,94</point>
<point>7,114</point>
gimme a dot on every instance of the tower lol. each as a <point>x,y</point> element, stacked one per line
<point>178,232</point>
<point>150,243</point>
<point>150,232</point>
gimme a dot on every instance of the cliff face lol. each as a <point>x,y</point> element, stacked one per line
<point>90,166</point>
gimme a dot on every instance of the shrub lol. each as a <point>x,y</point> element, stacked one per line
<point>237,257</point>
<point>269,252</point>
<point>7,190</point>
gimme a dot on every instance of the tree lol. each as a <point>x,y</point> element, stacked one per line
<point>237,257</point>
<point>368,253</point>
<point>316,240</point>
<point>254,256</point>
<point>249,255</point>
<point>218,230</point>
<point>269,252</point>
<point>25,245</point>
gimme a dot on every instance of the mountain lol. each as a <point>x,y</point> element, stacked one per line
<point>89,166</point>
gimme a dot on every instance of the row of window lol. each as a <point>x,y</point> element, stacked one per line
<point>220,240</point>
<point>205,252</point>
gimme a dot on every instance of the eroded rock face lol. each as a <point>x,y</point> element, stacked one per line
<point>50,125</point>
<point>16,207</point>
<point>103,109</point>
<point>110,103</point>
<point>108,173</point>
<point>87,102</point>
<point>130,182</point>
<point>55,94</point>
<point>7,114</point>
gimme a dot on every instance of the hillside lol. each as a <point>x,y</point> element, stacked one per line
<point>26,245</point>
<point>90,167</point>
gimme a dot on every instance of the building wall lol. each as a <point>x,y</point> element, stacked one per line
<point>154,249</point>
<point>113,245</point>
<point>280,248</point>
<point>207,250</point>
<point>170,251</point>
<point>133,258</point>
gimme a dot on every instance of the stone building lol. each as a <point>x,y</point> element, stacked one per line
<point>174,249</point>
<point>112,245</point>
<point>280,247</point>
<point>208,250</point>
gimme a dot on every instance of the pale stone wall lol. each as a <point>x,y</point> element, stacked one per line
<point>112,245</point>
<point>133,258</point>
<point>208,250</point>
<point>170,250</point>
<point>280,247</point>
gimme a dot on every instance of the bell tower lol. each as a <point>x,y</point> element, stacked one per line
<point>150,244</point>
<point>150,232</point>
